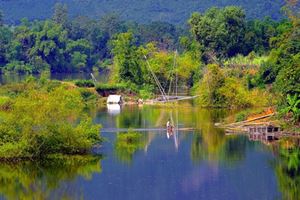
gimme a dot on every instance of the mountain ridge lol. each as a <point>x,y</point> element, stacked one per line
<point>173,11</point>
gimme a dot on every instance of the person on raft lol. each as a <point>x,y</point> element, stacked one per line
<point>169,128</point>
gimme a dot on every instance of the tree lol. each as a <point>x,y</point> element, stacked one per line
<point>164,34</point>
<point>60,15</point>
<point>5,40</point>
<point>127,59</point>
<point>22,43</point>
<point>213,79</point>
<point>79,60</point>
<point>111,24</point>
<point>50,46</point>
<point>220,30</point>
<point>1,18</point>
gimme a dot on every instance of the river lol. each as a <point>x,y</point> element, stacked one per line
<point>203,163</point>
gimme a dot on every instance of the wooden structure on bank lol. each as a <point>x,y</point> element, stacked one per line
<point>263,132</point>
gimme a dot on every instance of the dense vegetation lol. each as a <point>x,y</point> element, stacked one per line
<point>225,58</point>
<point>43,118</point>
<point>173,11</point>
<point>63,45</point>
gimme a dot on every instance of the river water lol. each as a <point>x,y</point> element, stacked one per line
<point>203,163</point>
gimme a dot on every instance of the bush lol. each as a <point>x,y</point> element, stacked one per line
<point>106,89</point>
<point>5,103</point>
<point>87,95</point>
<point>213,79</point>
<point>292,106</point>
<point>111,87</point>
<point>59,126</point>
<point>84,83</point>
<point>242,116</point>
<point>235,94</point>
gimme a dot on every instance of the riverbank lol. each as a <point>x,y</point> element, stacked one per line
<point>264,122</point>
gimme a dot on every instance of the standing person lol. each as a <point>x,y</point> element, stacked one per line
<point>169,129</point>
<point>168,124</point>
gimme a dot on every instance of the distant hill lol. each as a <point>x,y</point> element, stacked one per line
<point>174,11</point>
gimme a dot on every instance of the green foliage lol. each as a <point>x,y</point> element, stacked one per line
<point>242,116</point>
<point>119,86</point>
<point>235,93</point>
<point>282,67</point>
<point>220,31</point>
<point>127,59</point>
<point>58,127</point>
<point>87,95</point>
<point>293,106</point>
<point>1,18</point>
<point>223,88</point>
<point>213,79</point>
<point>258,34</point>
<point>146,92</point>
<point>5,40</point>
<point>288,79</point>
<point>246,61</point>
<point>19,67</point>
<point>84,83</point>
<point>60,15</point>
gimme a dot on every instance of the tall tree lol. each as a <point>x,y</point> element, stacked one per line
<point>60,15</point>
<point>220,30</point>
<point>1,18</point>
<point>126,58</point>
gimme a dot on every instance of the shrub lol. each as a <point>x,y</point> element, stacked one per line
<point>84,83</point>
<point>213,79</point>
<point>241,116</point>
<point>106,89</point>
<point>87,95</point>
<point>59,126</point>
<point>292,106</point>
<point>146,92</point>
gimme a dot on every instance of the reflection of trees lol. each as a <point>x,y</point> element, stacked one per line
<point>211,143</point>
<point>127,144</point>
<point>287,169</point>
<point>38,180</point>
<point>133,116</point>
<point>218,148</point>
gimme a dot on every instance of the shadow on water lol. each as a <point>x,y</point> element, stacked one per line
<point>46,179</point>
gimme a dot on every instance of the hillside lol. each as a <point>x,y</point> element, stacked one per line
<point>174,11</point>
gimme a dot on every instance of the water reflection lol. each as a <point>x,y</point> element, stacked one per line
<point>113,109</point>
<point>287,168</point>
<point>127,144</point>
<point>45,179</point>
